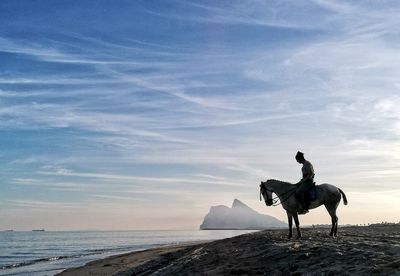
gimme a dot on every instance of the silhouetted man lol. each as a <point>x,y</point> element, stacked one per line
<point>306,183</point>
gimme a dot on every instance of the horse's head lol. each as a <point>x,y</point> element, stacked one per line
<point>266,193</point>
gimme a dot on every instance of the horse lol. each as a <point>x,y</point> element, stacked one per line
<point>327,194</point>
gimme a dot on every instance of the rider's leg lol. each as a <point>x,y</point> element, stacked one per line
<point>304,202</point>
<point>300,194</point>
<point>308,185</point>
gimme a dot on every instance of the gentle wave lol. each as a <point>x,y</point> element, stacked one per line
<point>28,253</point>
<point>88,252</point>
<point>41,260</point>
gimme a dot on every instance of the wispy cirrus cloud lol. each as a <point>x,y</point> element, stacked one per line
<point>256,13</point>
<point>45,205</point>
<point>140,179</point>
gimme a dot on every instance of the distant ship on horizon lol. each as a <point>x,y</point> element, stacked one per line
<point>38,230</point>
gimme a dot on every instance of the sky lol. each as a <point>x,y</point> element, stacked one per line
<point>122,115</point>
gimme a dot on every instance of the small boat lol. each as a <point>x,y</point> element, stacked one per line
<point>38,230</point>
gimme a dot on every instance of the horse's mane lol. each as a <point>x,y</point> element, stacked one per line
<point>280,181</point>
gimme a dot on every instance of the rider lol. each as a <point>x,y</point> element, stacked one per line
<point>306,183</point>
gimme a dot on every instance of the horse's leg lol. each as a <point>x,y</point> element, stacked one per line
<point>336,226</point>
<point>290,221</point>
<point>332,212</point>
<point>296,221</point>
<point>336,222</point>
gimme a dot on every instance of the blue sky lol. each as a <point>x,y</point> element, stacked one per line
<point>143,114</point>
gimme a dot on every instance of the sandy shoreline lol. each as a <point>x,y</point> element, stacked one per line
<point>123,262</point>
<point>357,251</point>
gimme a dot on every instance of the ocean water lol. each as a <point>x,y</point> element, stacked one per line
<point>47,253</point>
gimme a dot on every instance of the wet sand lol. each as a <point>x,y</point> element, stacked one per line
<point>357,251</point>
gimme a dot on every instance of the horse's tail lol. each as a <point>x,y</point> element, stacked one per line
<point>344,197</point>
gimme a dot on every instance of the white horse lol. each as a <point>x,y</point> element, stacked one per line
<point>327,195</point>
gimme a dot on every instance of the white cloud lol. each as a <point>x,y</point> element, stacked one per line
<point>138,179</point>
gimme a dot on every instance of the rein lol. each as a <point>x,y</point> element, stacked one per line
<point>276,199</point>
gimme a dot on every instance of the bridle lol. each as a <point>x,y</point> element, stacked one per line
<point>275,200</point>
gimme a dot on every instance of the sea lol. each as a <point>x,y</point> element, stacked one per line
<point>49,252</point>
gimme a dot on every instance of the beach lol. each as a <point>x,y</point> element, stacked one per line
<point>362,250</point>
<point>47,253</point>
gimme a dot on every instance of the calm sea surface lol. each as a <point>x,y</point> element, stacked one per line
<point>46,253</point>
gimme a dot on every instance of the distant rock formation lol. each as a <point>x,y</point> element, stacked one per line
<point>240,216</point>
